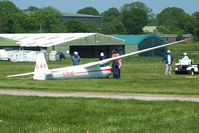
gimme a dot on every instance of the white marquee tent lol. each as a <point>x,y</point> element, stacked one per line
<point>87,44</point>
<point>44,39</point>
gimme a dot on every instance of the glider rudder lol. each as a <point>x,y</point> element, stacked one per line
<point>41,68</point>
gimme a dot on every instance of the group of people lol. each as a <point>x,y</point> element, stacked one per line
<point>170,59</point>
<point>116,64</point>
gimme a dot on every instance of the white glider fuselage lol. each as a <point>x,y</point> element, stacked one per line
<point>79,72</point>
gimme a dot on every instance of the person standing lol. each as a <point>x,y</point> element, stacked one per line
<point>115,65</point>
<point>102,57</point>
<point>169,61</point>
<point>185,56</point>
<point>76,59</point>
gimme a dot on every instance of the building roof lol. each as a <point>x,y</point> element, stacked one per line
<point>47,39</point>
<point>44,39</point>
<point>79,15</point>
<point>7,42</point>
<point>175,35</point>
<point>136,39</point>
<point>150,29</point>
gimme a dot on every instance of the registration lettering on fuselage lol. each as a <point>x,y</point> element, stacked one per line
<point>67,74</point>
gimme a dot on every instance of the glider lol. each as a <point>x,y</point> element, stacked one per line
<point>89,70</point>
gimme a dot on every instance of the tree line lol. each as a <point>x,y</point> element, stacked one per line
<point>129,19</point>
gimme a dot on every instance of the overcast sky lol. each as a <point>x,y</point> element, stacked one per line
<point>72,6</point>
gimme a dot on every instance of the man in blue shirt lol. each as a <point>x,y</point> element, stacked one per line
<point>169,61</point>
<point>76,59</point>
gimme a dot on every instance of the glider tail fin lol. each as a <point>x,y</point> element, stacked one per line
<point>41,68</point>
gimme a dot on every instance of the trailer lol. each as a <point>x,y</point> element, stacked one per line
<point>5,55</point>
<point>21,55</point>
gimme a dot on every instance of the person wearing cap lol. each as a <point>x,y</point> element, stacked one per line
<point>76,59</point>
<point>169,61</point>
<point>116,65</point>
<point>102,57</point>
<point>185,56</point>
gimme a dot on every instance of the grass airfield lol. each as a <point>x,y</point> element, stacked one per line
<point>83,115</point>
<point>138,75</point>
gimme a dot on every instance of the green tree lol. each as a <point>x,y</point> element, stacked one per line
<point>12,20</point>
<point>31,9</point>
<point>176,21</point>
<point>186,22</point>
<point>136,5</point>
<point>61,28</point>
<point>114,27</point>
<point>109,28</point>
<point>135,17</point>
<point>111,14</point>
<point>196,30</point>
<point>91,26</point>
<point>152,20</point>
<point>196,16</point>
<point>88,11</point>
<point>76,26</point>
<point>47,17</point>
<point>169,15</point>
<point>112,22</point>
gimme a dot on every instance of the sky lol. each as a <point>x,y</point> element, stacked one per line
<point>72,6</point>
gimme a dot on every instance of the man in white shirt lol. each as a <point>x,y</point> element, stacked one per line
<point>185,56</point>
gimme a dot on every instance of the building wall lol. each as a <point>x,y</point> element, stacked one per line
<point>10,47</point>
<point>97,39</point>
<point>173,37</point>
<point>60,48</point>
<point>94,40</point>
<point>152,42</point>
<point>93,51</point>
<point>131,48</point>
<point>95,20</point>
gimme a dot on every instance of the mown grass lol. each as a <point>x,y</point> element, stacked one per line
<point>192,50</point>
<point>81,115</point>
<point>84,115</point>
<point>138,75</point>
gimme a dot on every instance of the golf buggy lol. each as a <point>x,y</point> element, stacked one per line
<point>186,67</point>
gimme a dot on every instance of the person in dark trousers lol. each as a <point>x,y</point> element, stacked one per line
<point>102,57</point>
<point>76,59</point>
<point>115,65</point>
<point>169,61</point>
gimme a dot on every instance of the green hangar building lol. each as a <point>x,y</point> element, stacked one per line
<point>89,45</point>
<point>97,20</point>
<point>140,42</point>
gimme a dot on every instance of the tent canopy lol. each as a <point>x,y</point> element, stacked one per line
<point>44,39</point>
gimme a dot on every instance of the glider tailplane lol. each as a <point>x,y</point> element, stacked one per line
<point>41,68</point>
